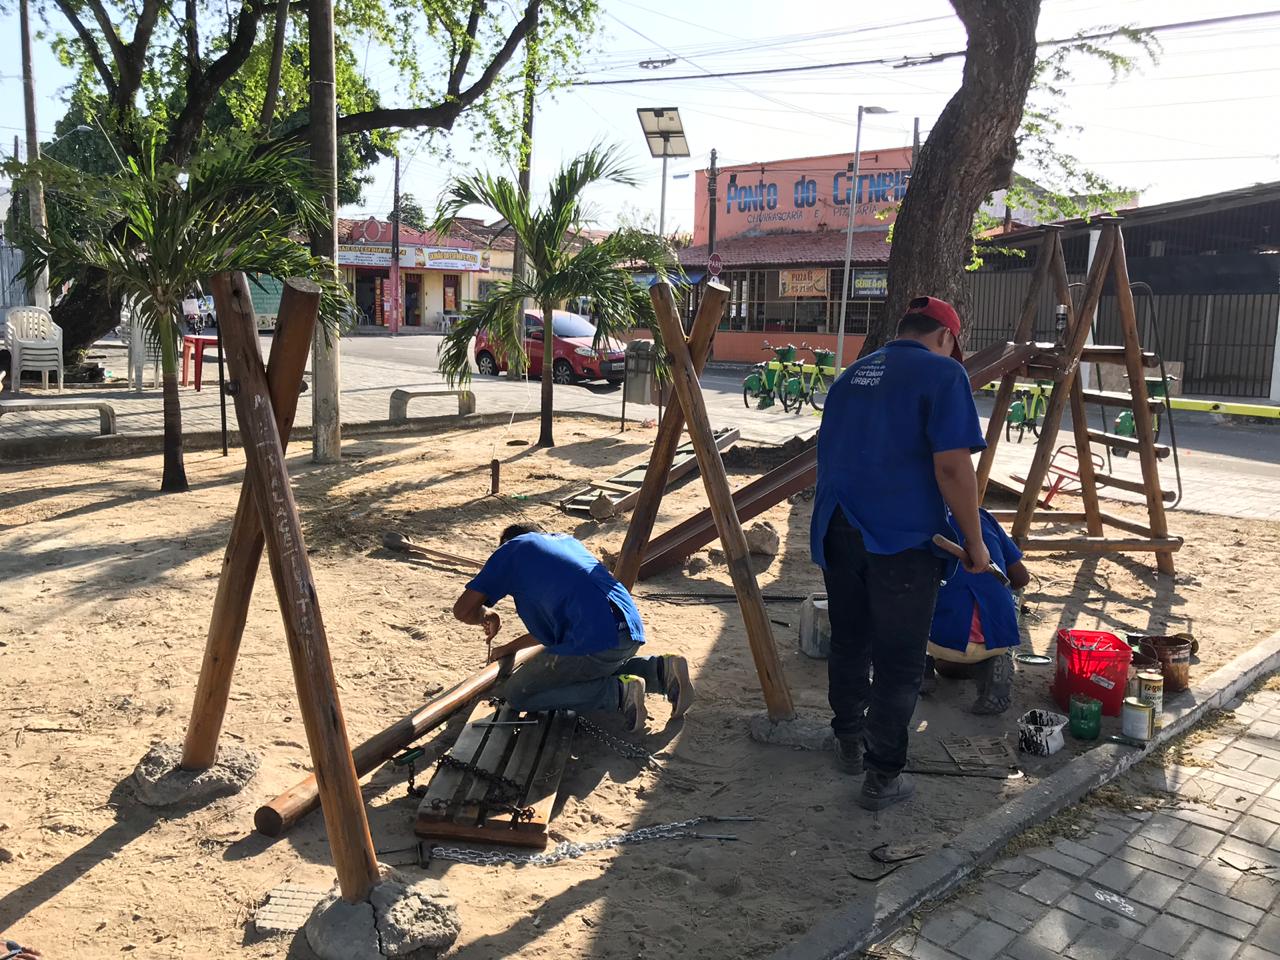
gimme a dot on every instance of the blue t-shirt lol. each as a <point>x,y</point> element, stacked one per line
<point>884,419</point>
<point>953,613</point>
<point>564,595</point>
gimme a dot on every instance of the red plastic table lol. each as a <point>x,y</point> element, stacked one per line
<point>196,343</point>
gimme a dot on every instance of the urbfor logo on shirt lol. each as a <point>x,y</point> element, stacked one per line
<point>869,374</point>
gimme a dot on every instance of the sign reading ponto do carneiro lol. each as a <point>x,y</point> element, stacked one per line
<point>806,194</point>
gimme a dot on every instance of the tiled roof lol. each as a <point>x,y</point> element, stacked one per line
<point>408,235</point>
<point>773,249</point>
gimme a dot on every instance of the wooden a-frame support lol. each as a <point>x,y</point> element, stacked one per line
<point>269,512</point>
<point>1061,363</point>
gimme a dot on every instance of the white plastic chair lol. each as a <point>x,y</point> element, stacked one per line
<point>140,351</point>
<point>35,344</point>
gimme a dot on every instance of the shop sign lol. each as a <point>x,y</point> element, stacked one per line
<point>871,284</point>
<point>430,258</point>
<point>802,283</point>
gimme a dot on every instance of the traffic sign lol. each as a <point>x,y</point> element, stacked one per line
<point>715,264</point>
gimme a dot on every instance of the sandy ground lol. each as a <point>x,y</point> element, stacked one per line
<point>107,589</point>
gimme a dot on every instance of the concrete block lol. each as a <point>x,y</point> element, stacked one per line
<point>1024,949</point>
<point>1106,841</point>
<point>159,780</point>
<point>946,927</point>
<point>1268,767</point>
<point>1140,952</point>
<point>286,909</point>
<point>1060,861</point>
<point>1098,944</point>
<point>1162,828</point>
<point>1155,864</point>
<point>1079,852</point>
<point>1267,936</point>
<point>1256,891</point>
<point>1198,840</point>
<point>1252,952</point>
<point>1116,875</point>
<point>1154,889</point>
<point>1212,945</point>
<point>1098,915</point>
<point>984,942</point>
<point>1208,918</point>
<point>1254,829</point>
<point>1227,905</point>
<point>1056,929</point>
<point>1168,934</point>
<point>1047,886</point>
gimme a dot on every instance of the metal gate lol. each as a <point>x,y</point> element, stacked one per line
<point>13,292</point>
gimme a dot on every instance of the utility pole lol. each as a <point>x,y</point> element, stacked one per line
<point>712,173</point>
<point>35,186</point>
<point>326,417</point>
<point>915,144</point>
<point>394,319</point>
<point>525,161</point>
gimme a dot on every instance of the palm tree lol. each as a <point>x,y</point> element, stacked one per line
<point>560,266</point>
<point>156,232</point>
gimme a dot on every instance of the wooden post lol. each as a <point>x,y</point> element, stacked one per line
<point>759,633</point>
<point>1077,335</point>
<point>1022,331</point>
<point>639,530</point>
<point>1141,401</point>
<point>292,342</point>
<point>1079,414</point>
<point>344,813</point>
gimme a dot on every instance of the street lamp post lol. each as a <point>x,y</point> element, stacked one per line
<point>848,244</point>
<point>664,134</point>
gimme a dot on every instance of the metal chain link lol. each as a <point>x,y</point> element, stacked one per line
<point>504,797</point>
<point>572,851</point>
<point>622,748</point>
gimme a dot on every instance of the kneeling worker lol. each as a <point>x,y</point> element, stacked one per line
<point>585,619</point>
<point>975,623</point>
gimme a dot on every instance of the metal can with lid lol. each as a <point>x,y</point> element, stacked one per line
<point>1151,690</point>
<point>1137,719</point>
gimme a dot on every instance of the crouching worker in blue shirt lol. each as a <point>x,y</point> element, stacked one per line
<point>975,623</point>
<point>587,623</point>
<point>894,450</point>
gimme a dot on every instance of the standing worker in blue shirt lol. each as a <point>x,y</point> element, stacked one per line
<point>585,619</point>
<point>898,428</point>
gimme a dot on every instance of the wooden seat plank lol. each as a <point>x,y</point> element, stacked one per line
<point>544,785</point>
<point>447,780</point>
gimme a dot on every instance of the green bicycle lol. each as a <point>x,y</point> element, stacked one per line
<point>764,384</point>
<point>809,382</point>
<point>1029,405</point>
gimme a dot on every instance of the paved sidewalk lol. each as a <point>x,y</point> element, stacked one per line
<point>1197,879</point>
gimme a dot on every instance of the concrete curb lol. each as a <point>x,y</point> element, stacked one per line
<point>874,916</point>
<point>69,449</point>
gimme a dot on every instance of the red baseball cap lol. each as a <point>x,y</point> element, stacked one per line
<point>944,313</point>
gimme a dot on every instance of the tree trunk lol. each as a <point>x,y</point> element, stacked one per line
<point>969,153</point>
<point>88,310</point>
<point>273,71</point>
<point>174,478</point>
<point>545,438</point>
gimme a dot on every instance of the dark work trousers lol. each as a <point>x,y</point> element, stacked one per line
<point>881,608</point>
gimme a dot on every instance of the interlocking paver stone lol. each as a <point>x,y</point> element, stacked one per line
<point>1209,918</point>
<point>1254,829</point>
<point>983,942</point>
<point>1211,945</point>
<point>1117,875</point>
<point>1056,929</point>
<point>1098,944</point>
<point>1154,889</point>
<point>946,928</point>
<point>1198,840</point>
<point>1168,934</point>
<point>1060,861</point>
<point>1047,886</point>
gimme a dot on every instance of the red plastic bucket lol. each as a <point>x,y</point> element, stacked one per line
<point>1092,663</point>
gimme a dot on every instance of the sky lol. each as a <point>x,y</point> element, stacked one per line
<point>1199,120</point>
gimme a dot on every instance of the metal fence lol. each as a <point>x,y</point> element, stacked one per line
<point>1225,341</point>
<point>13,292</point>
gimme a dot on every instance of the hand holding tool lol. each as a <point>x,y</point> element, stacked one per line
<point>959,553</point>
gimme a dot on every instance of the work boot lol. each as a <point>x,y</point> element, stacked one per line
<point>880,791</point>
<point>673,671</point>
<point>848,754</point>
<point>995,685</point>
<point>631,702</point>
<point>929,682</point>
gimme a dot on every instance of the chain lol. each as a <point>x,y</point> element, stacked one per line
<point>622,748</point>
<point>572,851</point>
<point>504,797</point>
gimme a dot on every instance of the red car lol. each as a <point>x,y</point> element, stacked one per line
<point>575,357</point>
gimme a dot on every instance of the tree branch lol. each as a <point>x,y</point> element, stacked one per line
<point>273,71</point>
<point>91,48</point>
<point>440,115</point>
<point>468,44</point>
<point>203,87</point>
<point>192,31</point>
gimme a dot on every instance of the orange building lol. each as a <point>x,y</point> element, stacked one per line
<point>781,233</point>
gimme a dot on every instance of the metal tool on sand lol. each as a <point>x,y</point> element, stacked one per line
<point>402,544</point>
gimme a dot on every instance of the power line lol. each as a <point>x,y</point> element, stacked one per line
<point>920,60</point>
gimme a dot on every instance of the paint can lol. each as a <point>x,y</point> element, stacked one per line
<point>1151,691</point>
<point>1137,720</point>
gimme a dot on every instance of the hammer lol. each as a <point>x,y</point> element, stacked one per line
<point>402,544</point>
<point>958,552</point>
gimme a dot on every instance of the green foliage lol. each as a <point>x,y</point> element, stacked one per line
<point>411,212</point>
<point>157,231</point>
<point>561,265</point>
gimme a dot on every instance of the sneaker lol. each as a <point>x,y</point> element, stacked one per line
<point>929,682</point>
<point>879,791</point>
<point>632,703</point>
<point>676,684</point>
<point>849,754</point>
